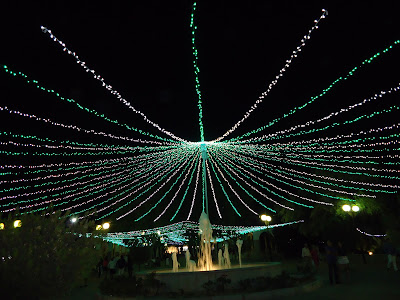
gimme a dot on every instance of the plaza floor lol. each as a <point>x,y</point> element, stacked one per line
<point>367,281</point>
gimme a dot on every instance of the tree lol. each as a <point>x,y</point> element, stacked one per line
<point>45,257</point>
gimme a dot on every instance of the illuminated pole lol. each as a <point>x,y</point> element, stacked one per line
<point>204,157</point>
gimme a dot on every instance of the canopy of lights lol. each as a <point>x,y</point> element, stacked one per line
<point>159,176</point>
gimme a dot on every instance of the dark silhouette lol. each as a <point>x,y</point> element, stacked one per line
<point>331,259</point>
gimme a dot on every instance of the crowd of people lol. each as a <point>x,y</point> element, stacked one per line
<point>119,265</point>
<point>338,261</point>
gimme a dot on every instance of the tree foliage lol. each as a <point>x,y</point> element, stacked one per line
<point>46,256</point>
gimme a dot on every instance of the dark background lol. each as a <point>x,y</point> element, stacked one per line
<point>143,49</point>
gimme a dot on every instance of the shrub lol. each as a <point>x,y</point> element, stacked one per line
<point>44,258</point>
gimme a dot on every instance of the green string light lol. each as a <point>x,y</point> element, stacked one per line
<point>197,71</point>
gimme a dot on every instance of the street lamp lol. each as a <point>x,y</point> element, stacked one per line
<point>17,223</point>
<point>2,226</point>
<point>106,225</point>
<point>266,218</point>
<point>74,219</point>
<point>346,207</point>
<point>352,210</point>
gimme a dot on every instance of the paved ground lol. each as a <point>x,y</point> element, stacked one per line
<point>370,281</point>
<point>367,281</point>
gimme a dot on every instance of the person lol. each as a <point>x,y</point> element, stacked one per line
<point>315,255</point>
<point>112,265</point>
<point>121,265</point>
<point>390,251</point>
<point>105,266</point>
<point>306,255</point>
<point>331,259</point>
<point>99,267</point>
<point>343,261</point>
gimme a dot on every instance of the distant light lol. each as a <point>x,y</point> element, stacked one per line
<point>106,225</point>
<point>355,208</point>
<point>17,223</point>
<point>99,227</point>
<point>158,232</point>
<point>370,253</point>
<point>2,226</point>
<point>74,219</point>
<point>346,207</point>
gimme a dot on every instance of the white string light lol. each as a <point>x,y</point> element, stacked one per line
<point>107,86</point>
<point>281,72</point>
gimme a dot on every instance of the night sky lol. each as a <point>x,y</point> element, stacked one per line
<point>143,49</point>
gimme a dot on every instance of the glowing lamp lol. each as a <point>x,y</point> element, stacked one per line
<point>2,226</point>
<point>106,225</point>
<point>17,223</point>
<point>370,253</point>
<point>99,227</point>
<point>266,218</point>
<point>355,208</point>
<point>74,219</point>
<point>346,207</point>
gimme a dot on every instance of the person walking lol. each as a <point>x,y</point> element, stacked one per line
<point>99,267</point>
<point>315,255</point>
<point>112,265</point>
<point>391,253</point>
<point>105,266</point>
<point>343,262</point>
<point>331,259</point>
<point>121,265</point>
<point>307,259</point>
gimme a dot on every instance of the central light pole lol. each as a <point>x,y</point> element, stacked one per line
<point>204,156</point>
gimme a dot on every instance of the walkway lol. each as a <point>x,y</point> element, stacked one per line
<point>367,281</point>
<point>370,281</point>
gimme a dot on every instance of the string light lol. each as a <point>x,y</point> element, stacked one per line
<point>281,72</point>
<point>107,86</point>
<point>196,72</point>
<point>176,233</point>
<point>350,73</point>
<point>371,235</point>
<point>138,180</point>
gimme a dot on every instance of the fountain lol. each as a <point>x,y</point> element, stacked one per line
<point>239,244</point>
<point>175,264</point>
<point>192,278</point>
<point>205,258</point>
<point>227,260</point>
<point>220,259</point>
<point>190,264</point>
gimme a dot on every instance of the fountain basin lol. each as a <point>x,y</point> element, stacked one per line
<point>193,281</point>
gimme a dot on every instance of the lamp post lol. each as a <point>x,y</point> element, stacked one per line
<point>352,210</point>
<point>266,219</point>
